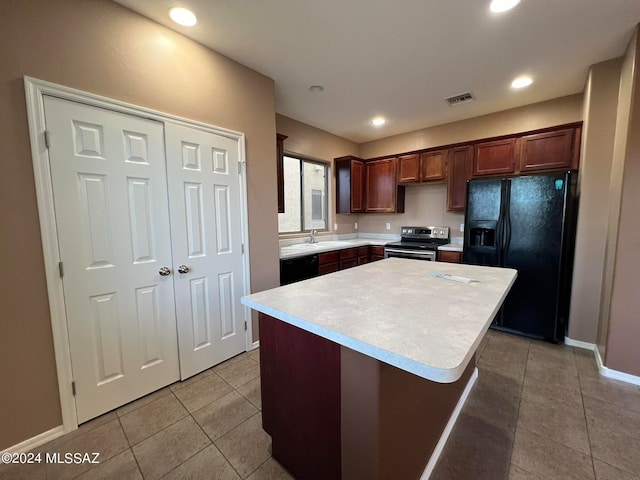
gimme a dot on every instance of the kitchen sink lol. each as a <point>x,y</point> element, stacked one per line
<point>327,245</point>
<point>304,246</point>
<point>334,243</point>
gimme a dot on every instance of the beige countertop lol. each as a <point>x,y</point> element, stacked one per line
<point>396,311</point>
<point>451,247</point>
<point>302,249</point>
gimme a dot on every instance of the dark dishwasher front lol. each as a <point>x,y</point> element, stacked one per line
<point>296,269</point>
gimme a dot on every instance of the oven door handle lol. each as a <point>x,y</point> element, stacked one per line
<point>415,254</point>
<point>424,253</point>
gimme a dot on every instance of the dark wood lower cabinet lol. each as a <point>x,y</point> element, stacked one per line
<point>300,386</point>
<point>334,413</point>
<point>348,258</point>
<point>450,257</point>
<point>328,262</point>
<point>363,255</point>
<point>376,252</point>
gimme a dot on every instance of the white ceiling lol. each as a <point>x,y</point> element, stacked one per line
<point>401,58</point>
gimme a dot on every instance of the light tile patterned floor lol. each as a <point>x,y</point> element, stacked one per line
<point>538,411</point>
<point>542,411</point>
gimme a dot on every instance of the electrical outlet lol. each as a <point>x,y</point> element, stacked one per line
<point>335,227</point>
<point>355,225</point>
<point>462,227</point>
<point>388,226</point>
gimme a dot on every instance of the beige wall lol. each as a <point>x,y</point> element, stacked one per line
<point>426,204</point>
<point>623,260</point>
<point>100,47</point>
<point>315,144</point>
<point>600,110</point>
<point>530,117</point>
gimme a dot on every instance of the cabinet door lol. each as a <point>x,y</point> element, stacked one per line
<point>348,253</point>
<point>409,168</point>
<point>450,257</point>
<point>494,158</point>
<point>376,252</point>
<point>381,186</point>
<point>357,186</point>
<point>363,255</point>
<point>433,165</point>
<point>459,166</point>
<point>328,257</point>
<point>280,170</point>
<point>547,151</point>
<point>328,268</point>
<point>349,185</point>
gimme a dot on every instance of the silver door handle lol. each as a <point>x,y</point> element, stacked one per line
<point>164,271</point>
<point>183,269</point>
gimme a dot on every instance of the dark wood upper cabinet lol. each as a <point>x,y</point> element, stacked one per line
<point>550,150</point>
<point>494,158</point>
<point>357,186</point>
<point>422,167</point>
<point>349,184</point>
<point>383,194</point>
<point>433,165</point>
<point>377,186</point>
<point>280,169</point>
<point>459,171</point>
<point>409,168</point>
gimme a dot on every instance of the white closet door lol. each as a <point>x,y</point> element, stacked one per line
<point>110,195</point>
<point>205,205</point>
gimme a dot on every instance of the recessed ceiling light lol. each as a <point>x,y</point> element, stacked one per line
<point>182,16</point>
<point>378,121</point>
<point>316,88</point>
<point>521,82</point>
<point>499,6</point>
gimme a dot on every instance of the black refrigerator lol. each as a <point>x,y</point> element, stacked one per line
<point>526,223</point>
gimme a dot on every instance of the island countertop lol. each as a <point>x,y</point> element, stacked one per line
<point>396,311</point>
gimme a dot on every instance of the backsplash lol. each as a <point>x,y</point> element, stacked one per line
<point>387,237</point>
<point>425,205</point>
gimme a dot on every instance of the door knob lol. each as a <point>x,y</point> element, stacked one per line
<point>183,269</point>
<point>164,271</point>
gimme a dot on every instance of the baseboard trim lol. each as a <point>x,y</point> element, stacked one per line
<point>604,371</point>
<point>579,344</point>
<point>599,361</point>
<point>255,345</point>
<point>435,456</point>
<point>615,374</point>
<point>36,441</point>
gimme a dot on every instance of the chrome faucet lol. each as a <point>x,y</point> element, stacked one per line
<point>312,236</point>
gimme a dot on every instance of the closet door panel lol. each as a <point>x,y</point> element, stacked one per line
<point>205,204</point>
<point>112,218</point>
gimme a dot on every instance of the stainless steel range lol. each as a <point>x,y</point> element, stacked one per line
<point>419,243</point>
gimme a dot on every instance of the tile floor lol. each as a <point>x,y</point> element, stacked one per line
<point>542,411</point>
<point>538,411</point>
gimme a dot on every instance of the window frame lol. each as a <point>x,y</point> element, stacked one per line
<point>325,204</point>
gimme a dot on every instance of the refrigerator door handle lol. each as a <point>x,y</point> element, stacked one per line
<point>507,219</point>
<point>500,225</point>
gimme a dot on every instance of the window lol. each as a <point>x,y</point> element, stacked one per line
<point>305,196</point>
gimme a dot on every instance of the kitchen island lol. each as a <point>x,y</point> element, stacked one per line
<point>363,371</point>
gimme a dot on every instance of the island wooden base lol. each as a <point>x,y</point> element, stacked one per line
<point>335,413</point>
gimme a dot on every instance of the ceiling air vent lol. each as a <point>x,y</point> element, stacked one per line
<point>460,99</point>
